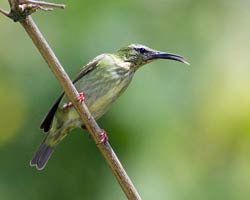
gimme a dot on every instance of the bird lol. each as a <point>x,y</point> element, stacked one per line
<point>99,83</point>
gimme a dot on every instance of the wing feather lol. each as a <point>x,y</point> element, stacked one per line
<point>47,121</point>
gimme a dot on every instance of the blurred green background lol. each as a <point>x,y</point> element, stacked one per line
<point>181,132</point>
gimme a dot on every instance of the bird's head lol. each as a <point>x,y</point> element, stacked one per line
<point>139,55</point>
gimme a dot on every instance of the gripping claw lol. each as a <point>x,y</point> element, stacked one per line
<point>103,137</point>
<point>80,99</point>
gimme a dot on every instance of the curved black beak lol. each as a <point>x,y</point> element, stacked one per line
<point>170,56</point>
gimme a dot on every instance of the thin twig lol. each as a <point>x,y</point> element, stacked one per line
<point>81,108</point>
<point>43,3</point>
<point>4,12</point>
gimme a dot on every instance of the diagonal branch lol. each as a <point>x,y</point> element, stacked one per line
<point>83,111</point>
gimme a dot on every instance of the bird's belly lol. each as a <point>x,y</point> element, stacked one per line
<point>98,100</point>
<point>106,96</point>
<point>103,103</point>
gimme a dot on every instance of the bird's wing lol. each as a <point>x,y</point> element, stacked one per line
<point>47,121</point>
<point>88,68</point>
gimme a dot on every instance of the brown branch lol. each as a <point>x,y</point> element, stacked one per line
<point>72,93</point>
<point>43,3</point>
<point>4,12</point>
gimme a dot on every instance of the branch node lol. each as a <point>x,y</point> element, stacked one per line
<point>21,9</point>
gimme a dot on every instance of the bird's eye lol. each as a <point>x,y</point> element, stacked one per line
<point>142,50</point>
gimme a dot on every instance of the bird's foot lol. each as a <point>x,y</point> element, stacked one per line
<point>67,105</point>
<point>103,137</point>
<point>80,99</point>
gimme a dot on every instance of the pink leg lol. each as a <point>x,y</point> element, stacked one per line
<point>67,105</point>
<point>103,137</point>
<point>80,98</point>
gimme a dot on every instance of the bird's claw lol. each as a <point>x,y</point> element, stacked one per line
<point>103,137</point>
<point>67,105</point>
<point>80,99</point>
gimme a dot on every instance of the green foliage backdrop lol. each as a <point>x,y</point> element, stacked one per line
<point>181,132</point>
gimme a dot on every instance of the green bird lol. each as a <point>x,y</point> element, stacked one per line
<point>99,84</point>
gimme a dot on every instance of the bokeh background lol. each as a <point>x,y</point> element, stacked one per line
<point>181,132</point>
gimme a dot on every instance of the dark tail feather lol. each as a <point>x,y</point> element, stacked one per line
<point>42,156</point>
